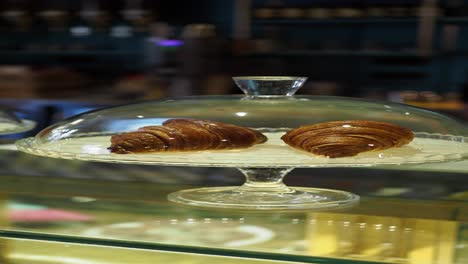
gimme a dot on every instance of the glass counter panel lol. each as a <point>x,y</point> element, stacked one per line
<point>26,251</point>
<point>47,200</point>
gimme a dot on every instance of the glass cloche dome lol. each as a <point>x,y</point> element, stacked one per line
<point>11,124</point>
<point>269,107</point>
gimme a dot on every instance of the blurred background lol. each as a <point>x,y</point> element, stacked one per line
<point>59,58</point>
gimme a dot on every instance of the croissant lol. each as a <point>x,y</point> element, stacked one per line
<point>347,138</point>
<point>185,135</point>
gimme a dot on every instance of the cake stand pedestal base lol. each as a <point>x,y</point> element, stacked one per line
<point>264,189</point>
<point>233,197</point>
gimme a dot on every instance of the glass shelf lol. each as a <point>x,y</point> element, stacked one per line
<point>339,21</point>
<point>324,53</point>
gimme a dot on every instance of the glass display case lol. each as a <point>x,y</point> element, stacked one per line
<point>66,211</point>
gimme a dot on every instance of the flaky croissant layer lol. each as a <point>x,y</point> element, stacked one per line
<point>185,135</point>
<point>347,138</point>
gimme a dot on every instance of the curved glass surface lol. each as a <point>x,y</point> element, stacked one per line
<point>10,124</point>
<point>87,136</point>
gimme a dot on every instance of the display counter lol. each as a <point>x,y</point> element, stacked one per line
<point>63,211</point>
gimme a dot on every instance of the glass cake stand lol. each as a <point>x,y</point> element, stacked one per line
<point>10,124</point>
<point>269,106</point>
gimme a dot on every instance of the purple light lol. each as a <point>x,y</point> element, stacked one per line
<point>170,43</point>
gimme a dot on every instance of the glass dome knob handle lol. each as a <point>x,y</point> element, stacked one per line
<point>269,85</point>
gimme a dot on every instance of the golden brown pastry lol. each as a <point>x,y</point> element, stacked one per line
<point>347,138</point>
<point>185,135</point>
